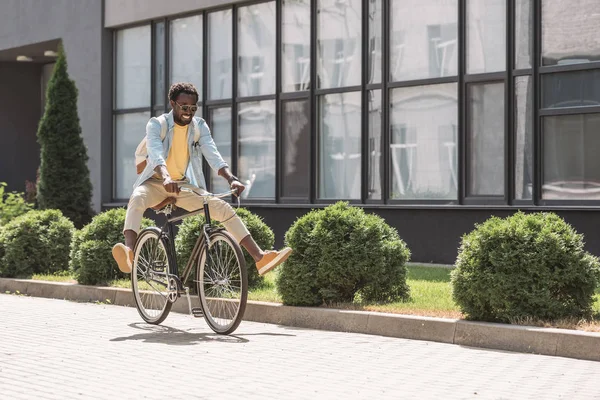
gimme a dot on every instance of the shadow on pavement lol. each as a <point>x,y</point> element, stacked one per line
<point>173,336</point>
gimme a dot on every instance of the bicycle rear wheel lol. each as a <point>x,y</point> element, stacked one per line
<point>222,283</point>
<point>149,277</point>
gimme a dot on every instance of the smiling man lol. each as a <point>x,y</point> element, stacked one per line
<point>178,157</point>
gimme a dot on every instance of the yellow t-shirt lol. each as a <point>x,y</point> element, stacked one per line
<point>179,156</point>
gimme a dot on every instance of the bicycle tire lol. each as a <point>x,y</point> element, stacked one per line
<point>151,263</point>
<point>223,316</point>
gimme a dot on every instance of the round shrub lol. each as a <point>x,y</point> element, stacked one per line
<point>342,254</point>
<point>191,227</point>
<point>524,266</point>
<point>35,243</point>
<point>91,258</point>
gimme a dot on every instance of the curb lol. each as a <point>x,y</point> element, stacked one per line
<point>517,338</point>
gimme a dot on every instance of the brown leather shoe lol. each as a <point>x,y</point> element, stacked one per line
<point>271,259</point>
<point>123,256</point>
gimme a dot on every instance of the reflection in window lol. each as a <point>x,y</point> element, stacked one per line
<point>339,43</point>
<point>571,89</point>
<point>130,129</point>
<point>186,51</point>
<point>485,140</point>
<point>486,36</point>
<point>523,33</point>
<point>436,25</point>
<point>374,149</point>
<point>524,138</point>
<point>295,140</point>
<point>570,31</point>
<point>133,68</point>
<point>423,143</point>
<point>219,55</point>
<point>256,163</point>
<point>571,165</point>
<point>256,49</point>
<point>295,37</point>
<point>220,120</point>
<point>375,30</point>
<point>339,146</point>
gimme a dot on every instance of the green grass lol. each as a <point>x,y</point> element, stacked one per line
<point>431,295</point>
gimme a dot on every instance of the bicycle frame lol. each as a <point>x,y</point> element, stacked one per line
<point>167,233</point>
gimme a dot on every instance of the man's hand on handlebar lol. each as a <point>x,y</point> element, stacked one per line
<point>170,185</point>
<point>239,186</point>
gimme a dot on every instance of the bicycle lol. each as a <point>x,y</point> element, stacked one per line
<point>221,276</point>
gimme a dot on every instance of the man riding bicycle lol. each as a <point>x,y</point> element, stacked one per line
<point>178,158</point>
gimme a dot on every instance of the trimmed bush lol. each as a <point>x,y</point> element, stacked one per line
<point>64,182</point>
<point>342,254</point>
<point>35,243</point>
<point>91,259</point>
<point>12,204</point>
<point>191,227</point>
<point>524,266</point>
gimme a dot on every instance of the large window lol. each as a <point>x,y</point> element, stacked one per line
<point>132,103</point>
<point>423,44</point>
<point>339,47</point>
<point>295,35</point>
<point>256,49</point>
<point>295,137</point>
<point>485,140</point>
<point>340,146</point>
<point>220,55</point>
<point>186,51</point>
<point>257,148</point>
<point>220,120</point>
<point>423,142</point>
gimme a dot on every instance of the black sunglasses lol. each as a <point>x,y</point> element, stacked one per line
<point>187,108</point>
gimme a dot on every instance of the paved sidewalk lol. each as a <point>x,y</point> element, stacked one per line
<point>56,349</point>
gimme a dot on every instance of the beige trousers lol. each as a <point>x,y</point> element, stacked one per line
<point>152,192</point>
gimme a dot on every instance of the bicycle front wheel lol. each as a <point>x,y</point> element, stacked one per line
<point>222,283</point>
<point>149,277</point>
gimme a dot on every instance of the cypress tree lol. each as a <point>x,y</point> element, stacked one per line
<point>64,182</point>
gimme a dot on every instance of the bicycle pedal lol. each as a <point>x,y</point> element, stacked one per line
<point>197,312</point>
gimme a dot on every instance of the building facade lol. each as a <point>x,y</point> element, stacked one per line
<point>434,114</point>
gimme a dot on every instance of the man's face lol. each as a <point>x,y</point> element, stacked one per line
<point>184,108</point>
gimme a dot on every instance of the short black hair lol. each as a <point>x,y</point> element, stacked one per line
<point>182,87</point>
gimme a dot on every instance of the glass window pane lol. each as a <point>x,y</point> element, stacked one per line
<point>423,44</point>
<point>186,51</point>
<point>375,30</point>
<point>524,138</point>
<point>256,164</point>
<point>159,64</point>
<point>339,146</point>
<point>130,129</point>
<point>570,31</point>
<point>295,140</point>
<point>571,165</point>
<point>423,143</point>
<point>256,49</point>
<point>523,33</point>
<point>485,140</point>
<point>220,120</point>
<point>486,36</point>
<point>571,89</point>
<point>295,37</point>
<point>219,55</point>
<point>339,43</point>
<point>133,68</point>
<point>374,150</point>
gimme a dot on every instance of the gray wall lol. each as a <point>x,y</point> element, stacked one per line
<point>20,110</point>
<point>123,12</point>
<point>79,23</point>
